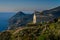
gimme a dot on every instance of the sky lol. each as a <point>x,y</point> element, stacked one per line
<point>27,5</point>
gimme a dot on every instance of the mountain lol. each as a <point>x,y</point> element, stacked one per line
<point>22,19</point>
<point>19,19</point>
<point>54,11</point>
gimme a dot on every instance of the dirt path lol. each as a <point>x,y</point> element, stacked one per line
<point>21,28</point>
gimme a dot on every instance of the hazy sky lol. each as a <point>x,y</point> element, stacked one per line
<point>27,5</point>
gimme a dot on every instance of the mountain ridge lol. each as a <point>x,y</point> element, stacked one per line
<point>21,19</point>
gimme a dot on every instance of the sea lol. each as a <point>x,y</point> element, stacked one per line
<point>4,19</point>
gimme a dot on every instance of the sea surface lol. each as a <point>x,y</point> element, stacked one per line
<point>4,18</point>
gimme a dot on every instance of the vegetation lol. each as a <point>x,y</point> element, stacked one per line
<point>45,31</point>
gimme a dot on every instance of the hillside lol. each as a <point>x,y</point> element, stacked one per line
<point>21,19</point>
<point>50,31</point>
<point>54,11</point>
<point>20,29</point>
